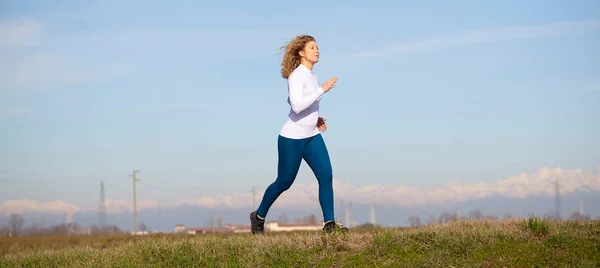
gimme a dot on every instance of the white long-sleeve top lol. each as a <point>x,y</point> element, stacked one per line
<point>304,94</point>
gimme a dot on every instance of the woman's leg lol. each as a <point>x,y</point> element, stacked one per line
<point>317,157</point>
<point>290,157</point>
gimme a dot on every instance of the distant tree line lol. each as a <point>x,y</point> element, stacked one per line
<point>16,227</point>
<point>477,214</point>
<point>414,220</point>
<point>16,224</point>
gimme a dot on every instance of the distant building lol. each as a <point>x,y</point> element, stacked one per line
<point>179,228</point>
<point>273,226</point>
<point>227,228</point>
<point>270,226</point>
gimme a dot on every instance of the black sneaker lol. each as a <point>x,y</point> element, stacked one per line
<point>332,226</point>
<point>257,226</point>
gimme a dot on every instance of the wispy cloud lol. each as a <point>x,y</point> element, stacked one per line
<point>482,36</point>
<point>594,86</point>
<point>42,70</point>
<point>62,58</point>
<point>14,111</point>
<point>18,32</point>
<point>164,107</point>
<point>23,205</point>
<point>44,66</point>
<point>178,106</point>
<point>303,195</point>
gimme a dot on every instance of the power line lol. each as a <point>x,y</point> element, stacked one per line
<point>133,176</point>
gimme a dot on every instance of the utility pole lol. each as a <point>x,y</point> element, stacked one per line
<point>254,197</point>
<point>133,176</point>
<point>103,219</point>
<point>343,217</point>
<point>557,199</point>
<point>351,215</point>
<point>372,216</point>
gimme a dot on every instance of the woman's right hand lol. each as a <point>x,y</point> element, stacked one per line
<point>329,84</point>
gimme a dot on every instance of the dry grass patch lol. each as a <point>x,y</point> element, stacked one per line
<point>529,242</point>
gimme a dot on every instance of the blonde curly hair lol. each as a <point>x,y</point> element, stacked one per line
<point>291,56</point>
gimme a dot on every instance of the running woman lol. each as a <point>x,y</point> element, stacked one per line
<point>300,137</point>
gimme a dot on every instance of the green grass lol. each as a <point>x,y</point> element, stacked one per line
<point>515,243</point>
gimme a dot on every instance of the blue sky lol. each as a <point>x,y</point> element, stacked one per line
<point>190,93</point>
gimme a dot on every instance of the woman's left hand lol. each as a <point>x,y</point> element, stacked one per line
<point>321,124</point>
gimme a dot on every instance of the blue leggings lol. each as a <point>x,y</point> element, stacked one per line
<point>291,152</point>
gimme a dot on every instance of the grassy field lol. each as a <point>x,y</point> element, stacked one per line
<point>512,243</point>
